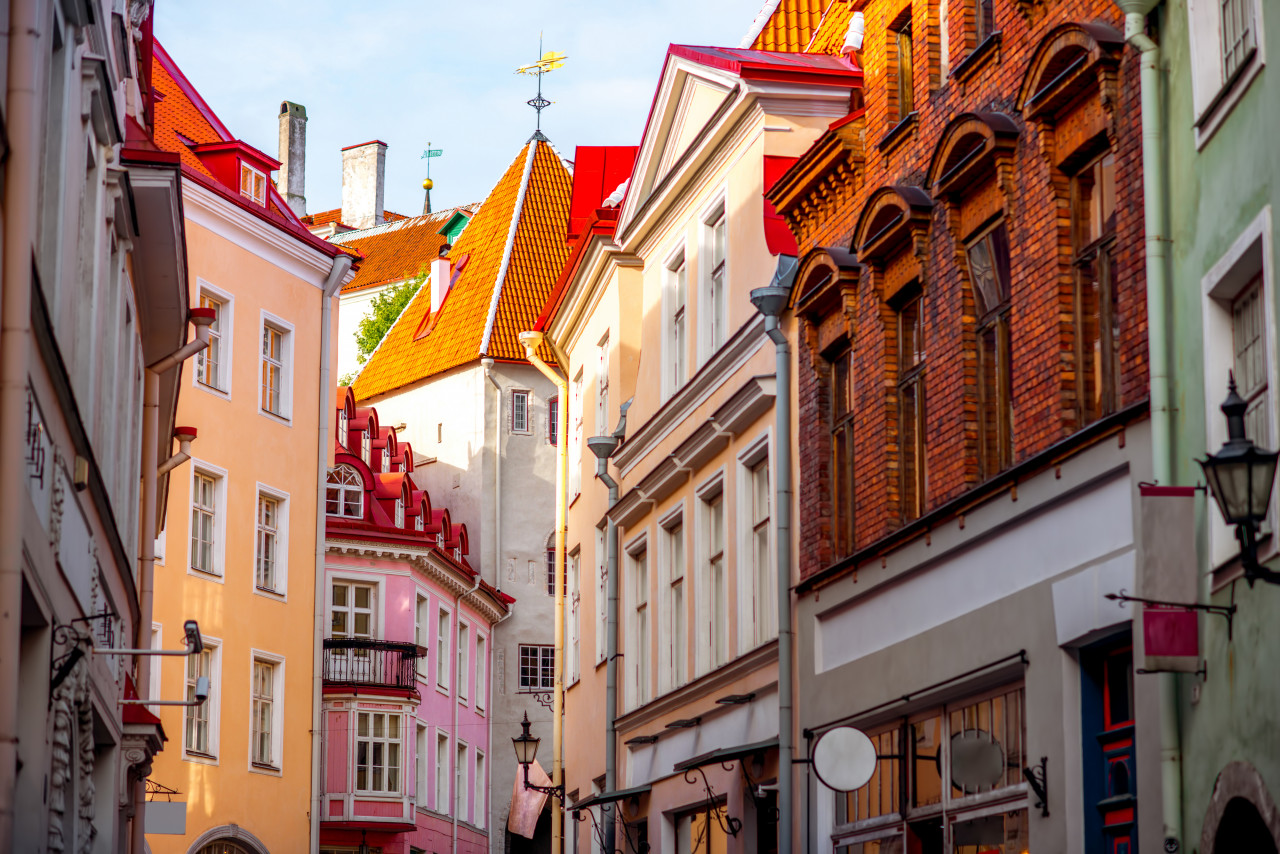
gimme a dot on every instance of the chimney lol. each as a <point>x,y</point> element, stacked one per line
<point>441,274</point>
<point>293,155</point>
<point>363,168</point>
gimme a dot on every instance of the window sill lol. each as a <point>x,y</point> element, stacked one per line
<point>443,689</point>
<point>977,58</point>
<point>899,133</point>
<point>284,420</point>
<point>270,593</point>
<point>213,390</point>
<point>202,758</point>
<point>264,768</point>
<point>1222,104</point>
<point>215,577</point>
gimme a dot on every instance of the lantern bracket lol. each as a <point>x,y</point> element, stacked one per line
<point>1227,611</point>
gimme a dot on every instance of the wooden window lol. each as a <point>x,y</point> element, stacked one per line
<point>537,667</point>
<point>989,275</point>
<point>1093,230</point>
<point>1239,36</point>
<point>253,184</point>
<point>209,360</point>
<point>519,412</point>
<point>551,569</point>
<point>344,493</point>
<point>263,705</point>
<point>204,517</point>
<point>984,19</point>
<point>911,408</point>
<point>842,443</point>
<point>273,357</point>
<point>197,717</point>
<point>352,614</point>
<point>1249,349</point>
<point>553,420</point>
<point>268,540</point>
<point>378,752</point>
<point>905,70</point>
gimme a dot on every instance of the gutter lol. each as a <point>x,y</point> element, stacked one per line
<point>338,272</point>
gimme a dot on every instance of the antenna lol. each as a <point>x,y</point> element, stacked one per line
<point>550,61</point>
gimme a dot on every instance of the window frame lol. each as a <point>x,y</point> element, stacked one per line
<point>219,527</point>
<point>358,488</point>
<point>993,320</point>
<point>758,613</point>
<point>1098,254</point>
<point>281,568</point>
<point>513,425</point>
<point>481,699</point>
<point>463,659</point>
<point>573,623</point>
<point>639,617</point>
<point>257,192</point>
<point>713,301</point>
<point>388,742</point>
<point>421,632</point>
<point>441,801</point>
<point>901,36</point>
<point>225,335</point>
<point>374,610</point>
<point>912,470</point>
<point>711,592</point>
<point>553,418</point>
<point>444,649</point>
<point>602,613</point>
<point>461,789</point>
<point>674,615</point>
<point>546,658</point>
<point>1214,92</point>
<point>276,736</point>
<point>843,428</point>
<point>285,364</point>
<point>479,802</point>
<point>421,763</point>
<point>675,337</point>
<point>602,386</point>
<point>211,706</point>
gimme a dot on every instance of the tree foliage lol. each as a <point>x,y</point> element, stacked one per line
<point>386,307</point>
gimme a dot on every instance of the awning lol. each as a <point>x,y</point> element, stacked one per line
<point>610,797</point>
<point>725,754</point>
<point>527,804</point>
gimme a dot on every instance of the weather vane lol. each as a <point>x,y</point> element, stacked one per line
<point>428,154</point>
<point>550,61</point>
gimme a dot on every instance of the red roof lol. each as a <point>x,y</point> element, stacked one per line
<point>777,236</point>
<point>812,68</point>
<point>598,170</point>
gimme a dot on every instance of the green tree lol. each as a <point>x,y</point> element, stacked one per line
<point>386,308</point>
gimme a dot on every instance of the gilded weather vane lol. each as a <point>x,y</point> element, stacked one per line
<point>550,61</point>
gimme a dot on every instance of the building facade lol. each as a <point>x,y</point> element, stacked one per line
<point>240,548</point>
<point>407,656</point>
<point>972,392</point>
<point>654,310</point>
<point>95,323</point>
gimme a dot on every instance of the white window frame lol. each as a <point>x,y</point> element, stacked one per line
<point>443,776</point>
<point>399,513</point>
<point>1252,252</point>
<point>482,672</point>
<point>675,348</point>
<point>344,428</point>
<point>674,671</point>
<point>421,763</point>
<point>638,601</point>
<point>257,184</point>
<point>461,786</point>
<point>212,705</point>
<point>602,605</point>
<point>573,622</point>
<point>444,648</point>
<point>219,476</point>
<point>515,426</point>
<point>277,712</point>
<point>602,386</point>
<point>281,589</point>
<point>710,618</point>
<point>575,438</point>
<point>752,632</point>
<point>342,490</point>
<point>422,631</point>
<point>713,305</point>
<point>157,642</point>
<point>226,341</point>
<point>386,741</point>
<point>542,650</point>
<point>1214,96</point>
<point>479,805</point>
<point>285,328</point>
<point>464,658</point>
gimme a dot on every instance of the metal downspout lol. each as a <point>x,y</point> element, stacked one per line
<point>611,653</point>
<point>531,340</point>
<point>1157,261</point>
<point>21,182</point>
<point>338,272</point>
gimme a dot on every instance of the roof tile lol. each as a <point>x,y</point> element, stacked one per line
<point>398,250</point>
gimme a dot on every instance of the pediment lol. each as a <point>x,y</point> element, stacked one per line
<point>699,99</point>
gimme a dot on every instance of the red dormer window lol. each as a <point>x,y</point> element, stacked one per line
<point>419,524</point>
<point>399,512</point>
<point>342,427</point>
<point>253,184</point>
<point>366,445</point>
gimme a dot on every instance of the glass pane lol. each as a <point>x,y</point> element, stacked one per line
<point>926,761</point>
<point>363,596</point>
<point>362,728</point>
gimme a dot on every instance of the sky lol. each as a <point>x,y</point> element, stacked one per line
<point>412,73</point>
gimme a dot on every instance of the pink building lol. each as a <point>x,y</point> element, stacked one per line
<point>407,654</point>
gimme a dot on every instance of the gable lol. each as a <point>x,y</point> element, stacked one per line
<point>698,101</point>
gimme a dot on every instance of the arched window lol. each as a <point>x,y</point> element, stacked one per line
<point>399,512</point>
<point>366,445</point>
<point>223,847</point>
<point>344,496</point>
<point>419,524</point>
<point>342,427</point>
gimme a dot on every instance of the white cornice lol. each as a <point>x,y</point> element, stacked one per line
<point>587,287</point>
<point>229,221</point>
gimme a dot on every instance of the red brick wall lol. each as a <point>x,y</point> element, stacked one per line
<point>1042,329</point>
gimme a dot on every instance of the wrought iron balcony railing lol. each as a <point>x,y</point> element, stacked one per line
<point>362,662</point>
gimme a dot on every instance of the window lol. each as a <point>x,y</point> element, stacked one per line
<point>553,420</point>
<point>1227,52</point>
<point>677,634</point>
<point>575,447</point>
<point>842,444</point>
<point>463,649</point>
<point>985,22</point>
<point>716,325</point>
<point>911,408</point>
<point>482,667</point>
<point>519,412</point>
<point>764,611</point>
<point>905,87</point>
<point>678,336</point>
<point>344,495</point>
<point>460,783</point>
<point>443,645</point>
<point>551,566</point>
<point>481,788</point>
<point>715,584</point>
<point>198,728</point>
<point>1249,359</point>
<point>351,615</point>
<point>204,523</point>
<point>574,623</point>
<point>253,184</point>
<point>209,365</point>
<point>378,752</point>
<point>908,781</point>
<point>1109,758</point>
<point>422,631</point>
<point>1093,236</point>
<point>537,667</point>
<point>419,523</point>
<point>1239,35</point>
<point>342,427</point>
<point>274,357</point>
<point>400,512</point>
<point>442,772</point>
<point>989,275</point>
<point>602,604</point>
<point>366,443</point>
<point>702,830</point>
<point>639,628</point>
<point>262,732</point>
<point>422,756</point>
<point>269,552</point>
<point>602,386</point>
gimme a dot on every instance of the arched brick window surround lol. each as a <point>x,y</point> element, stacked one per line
<point>1238,779</point>
<point>971,148</point>
<point>893,216</point>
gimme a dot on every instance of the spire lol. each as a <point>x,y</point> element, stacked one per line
<point>428,183</point>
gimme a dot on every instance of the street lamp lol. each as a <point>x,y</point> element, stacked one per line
<point>526,745</point>
<point>1241,477</point>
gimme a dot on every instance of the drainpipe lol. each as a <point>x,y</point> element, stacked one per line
<point>1157,262</point>
<point>457,683</point>
<point>487,364</point>
<point>22,112</point>
<point>531,340</point>
<point>338,272</point>
<point>771,301</point>
<point>185,436</point>
<point>201,318</point>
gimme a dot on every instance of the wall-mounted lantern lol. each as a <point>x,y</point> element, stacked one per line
<point>526,745</point>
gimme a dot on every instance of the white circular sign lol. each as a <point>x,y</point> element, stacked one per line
<point>844,759</point>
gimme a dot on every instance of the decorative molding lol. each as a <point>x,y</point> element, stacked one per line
<point>71,714</point>
<point>703,686</point>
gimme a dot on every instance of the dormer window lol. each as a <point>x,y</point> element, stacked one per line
<point>399,512</point>
<point>419,524</point>
<point>253,184</point>
<point>440,540</point>
<point>342,427</point>
<point>344,493</point>
<point>366,445</point>
<point>457,555</point>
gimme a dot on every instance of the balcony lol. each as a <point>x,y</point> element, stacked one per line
<point>365,663</point>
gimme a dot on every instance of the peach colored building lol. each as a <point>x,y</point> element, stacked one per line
<point>240,547</point>
<point>653,309</point>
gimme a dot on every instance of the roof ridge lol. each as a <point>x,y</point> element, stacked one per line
<point>425,283</point>
<point>507,250</point>
<point>758,25</point>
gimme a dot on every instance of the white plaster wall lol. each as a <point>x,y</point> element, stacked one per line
<point>352,308</point>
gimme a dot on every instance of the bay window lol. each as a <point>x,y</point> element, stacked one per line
<point>378,752</point>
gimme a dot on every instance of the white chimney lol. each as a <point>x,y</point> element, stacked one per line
<point>363,169</point>
<point>293,155</point>
<point>441,271</point>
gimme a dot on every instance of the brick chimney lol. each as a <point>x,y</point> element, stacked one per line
<point>363,169</point>
<point>293,156</point>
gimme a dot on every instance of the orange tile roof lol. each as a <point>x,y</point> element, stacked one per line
<point>486,309</point>
<point>397,250</point>
<point>829,38</point>
<point>335,215</point>
<point>178,120</point>
<point>792,24</point>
